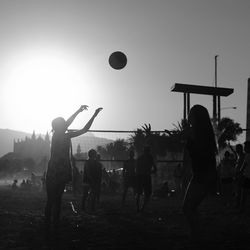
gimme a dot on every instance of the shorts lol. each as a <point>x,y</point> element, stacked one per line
<point>144,185</point>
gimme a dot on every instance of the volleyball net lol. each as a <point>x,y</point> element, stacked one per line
<point>113,148</point>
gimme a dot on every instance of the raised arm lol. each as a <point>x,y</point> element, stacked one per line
<point>86,127</point>
<point>72,118</point>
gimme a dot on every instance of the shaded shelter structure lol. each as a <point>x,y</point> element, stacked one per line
<point>216,92</point>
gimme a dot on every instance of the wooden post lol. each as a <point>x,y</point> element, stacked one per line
<point>188,103</point>
<point>248,111</point>
<point>185,106</point>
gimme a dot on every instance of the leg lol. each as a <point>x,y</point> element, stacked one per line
<point>125,190</point>
<point>194,195</point>
<point>93,197</point>
<point>139,191</point>
<point>98,194</point>
<point>49,204</point>
<point>85,196</point>
<point>138,202</point>
<point>147,191</point>
<point>58,199</point>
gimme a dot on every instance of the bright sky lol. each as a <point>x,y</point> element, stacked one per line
<point>54,57</point>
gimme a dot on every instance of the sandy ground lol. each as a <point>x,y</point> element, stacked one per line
<point>162,226</point>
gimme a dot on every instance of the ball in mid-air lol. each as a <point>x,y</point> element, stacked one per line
<point>117,60</point>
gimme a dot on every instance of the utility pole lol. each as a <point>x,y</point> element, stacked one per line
<point>216,99</point>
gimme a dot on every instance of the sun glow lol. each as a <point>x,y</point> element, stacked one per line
<point>38,87</point>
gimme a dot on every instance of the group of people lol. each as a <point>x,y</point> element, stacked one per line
<point>137,175</point>
<point>234,173</point>
<point>201,148</point>
<point>25,185</point>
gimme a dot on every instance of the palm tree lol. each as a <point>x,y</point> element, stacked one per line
<point>227,130</point>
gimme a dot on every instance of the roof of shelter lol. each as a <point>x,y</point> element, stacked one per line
<point>202,90</point>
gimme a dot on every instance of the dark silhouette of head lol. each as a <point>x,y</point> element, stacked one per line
<point>92,154</point>
<point>59,124</point>
<point>239,149</point>
<point>247,146</point>
<point>98,157</point>
<point>226,154</point>
<point>131,154</point>
<point>202,127</point>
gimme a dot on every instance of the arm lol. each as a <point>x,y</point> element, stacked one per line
<point>234,152</point>
<point>243,167</point>
<point>86,127</point>
<point>124,168</point>
<point>72,118</point>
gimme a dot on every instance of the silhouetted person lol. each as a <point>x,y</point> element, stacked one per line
<point>98,159</point>
<point>105,181</point>
<point>114,181</point>
<point>23,185</point>
<point>246,176</point>
<point>202,149</point>
<point>14,185</point>
<point>92,177</point>
<point>28,185</point>
<point>77,178</point>
<point>128,175</point>
<point>144,168</point>
<point>178,177</point>
<point>238,174</point>
<point>226,171</point>
<point>59,171</point>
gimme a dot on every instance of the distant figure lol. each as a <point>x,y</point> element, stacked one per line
<point>128,175</point>
<point>202,149</point>
<point>28,185</point>
<point>114,181</point>
<point>98,159</point>
<point>14,185</point>
<point>245,170</point>
<point>23,185</point>
<point>238,174</point>
<point>144,168</point>
<point>105,181</point>
<point>226,173</point>
<point>92,177</point>
<point>59,171</point>
<point>77,178</point>
<point>178,177</point>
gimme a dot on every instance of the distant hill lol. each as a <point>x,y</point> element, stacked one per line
<point>88,141</point>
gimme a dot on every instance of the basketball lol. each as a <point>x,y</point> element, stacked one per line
<point>117,60</point>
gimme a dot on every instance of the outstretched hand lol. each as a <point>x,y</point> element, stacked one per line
<point>97,111</point>
<point>83,107</point>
